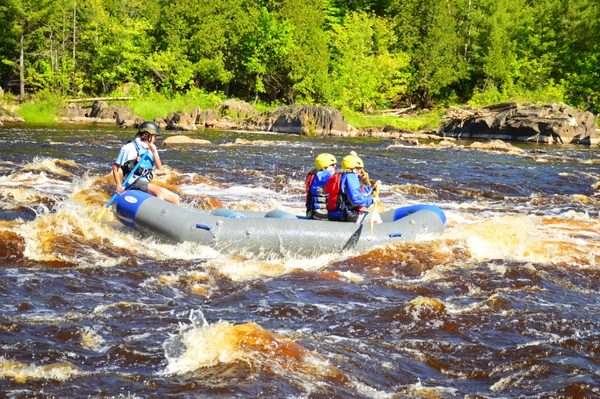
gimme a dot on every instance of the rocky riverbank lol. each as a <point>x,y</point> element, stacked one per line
<point>545,124</point>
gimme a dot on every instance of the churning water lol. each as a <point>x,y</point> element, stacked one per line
<point>505,304</point>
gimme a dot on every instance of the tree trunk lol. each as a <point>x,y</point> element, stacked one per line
<point>53,63</point>
<point>21,70</point>
<point>74,41</point>
<point>469,24</point>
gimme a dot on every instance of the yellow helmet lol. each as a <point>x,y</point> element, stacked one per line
<point>352,161</point>
<point>324,160</point>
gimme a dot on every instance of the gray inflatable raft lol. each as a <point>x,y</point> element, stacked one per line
<point>276,232</point>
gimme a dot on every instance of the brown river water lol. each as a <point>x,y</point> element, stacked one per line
<point>504,304</point>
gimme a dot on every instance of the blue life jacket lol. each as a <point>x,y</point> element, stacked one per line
<point>146,163</point>
<point>316,199</point>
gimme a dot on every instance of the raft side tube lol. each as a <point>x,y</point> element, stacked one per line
<point>281,235</point>
<point>279,214</point>
<point>177,224</point>
<point>228,213</point>
<point>128,204</point>
<point>146,213</point>
<point>400,213</point>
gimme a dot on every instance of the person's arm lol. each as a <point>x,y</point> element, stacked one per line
<point>154,151</point>
<point>117,177</point>
<point>121,159</point>
<point>353,191</point>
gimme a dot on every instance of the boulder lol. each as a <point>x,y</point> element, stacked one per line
<point>125,117</point>
<point>7,115</point>
<point>180,121</point>
<point>101,112</point>
<point>307,120</point>
<point>237,109</point>
<point>195,113</point>
<point>207,118</point>
<point>497,145</point>
<point>550,123</point>
<point>72,111</point>
<point>180,139</point>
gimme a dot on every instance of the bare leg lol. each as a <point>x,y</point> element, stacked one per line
<point>163,193</point>
<point>170,196</point>
<point>156,191</point>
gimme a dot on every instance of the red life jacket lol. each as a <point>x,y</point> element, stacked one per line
<point>338,198</point>
<point>335,199</point>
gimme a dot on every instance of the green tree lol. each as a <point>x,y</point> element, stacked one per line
<point>578,51</point>
<point>499,61</point>
<point>264,51</point>
<point>430,32</point>
<point>28,31</point>
<point>364,72</point>
<point>307,61</point>
<point>536,37</point>
<point>114,45</point>
<point>208,34</point>
<point>10,38</point>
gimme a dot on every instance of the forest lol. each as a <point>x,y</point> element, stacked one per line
<point>354,54</point>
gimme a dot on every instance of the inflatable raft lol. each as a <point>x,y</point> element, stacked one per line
<point>274,232</point>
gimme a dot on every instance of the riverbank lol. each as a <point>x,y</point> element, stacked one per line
<point>545,124</point>
<point>49,111</point>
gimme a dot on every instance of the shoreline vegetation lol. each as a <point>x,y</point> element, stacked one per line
<point>359,57</point>
<point>47,111</point>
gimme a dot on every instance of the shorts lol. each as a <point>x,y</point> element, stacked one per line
<point>139,184</point>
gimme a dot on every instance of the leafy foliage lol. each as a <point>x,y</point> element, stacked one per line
<point>360,54</point>
<point>365,73</point>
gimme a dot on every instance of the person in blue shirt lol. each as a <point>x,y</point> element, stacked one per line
<point>141,149</point>
<point>316,200</point>
<point>349,197</point>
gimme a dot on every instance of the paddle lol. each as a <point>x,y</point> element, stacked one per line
<point>114,197</point>
<point>353,240</point>
<point>376,207</point>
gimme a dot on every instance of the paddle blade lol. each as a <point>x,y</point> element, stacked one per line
<point>377,208</point>
<point>114,197</point>
<point>102,214</point>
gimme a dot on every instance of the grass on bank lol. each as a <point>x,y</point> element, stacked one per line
<point>156,105</point>
<point>423,120</point>
<point>43,111</point>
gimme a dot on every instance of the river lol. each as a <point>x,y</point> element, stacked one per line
<point>504,304</point>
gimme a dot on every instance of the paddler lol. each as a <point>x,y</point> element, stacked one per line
<point>141,149</point>
<point>316,199</point>
<point>348,195</point>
